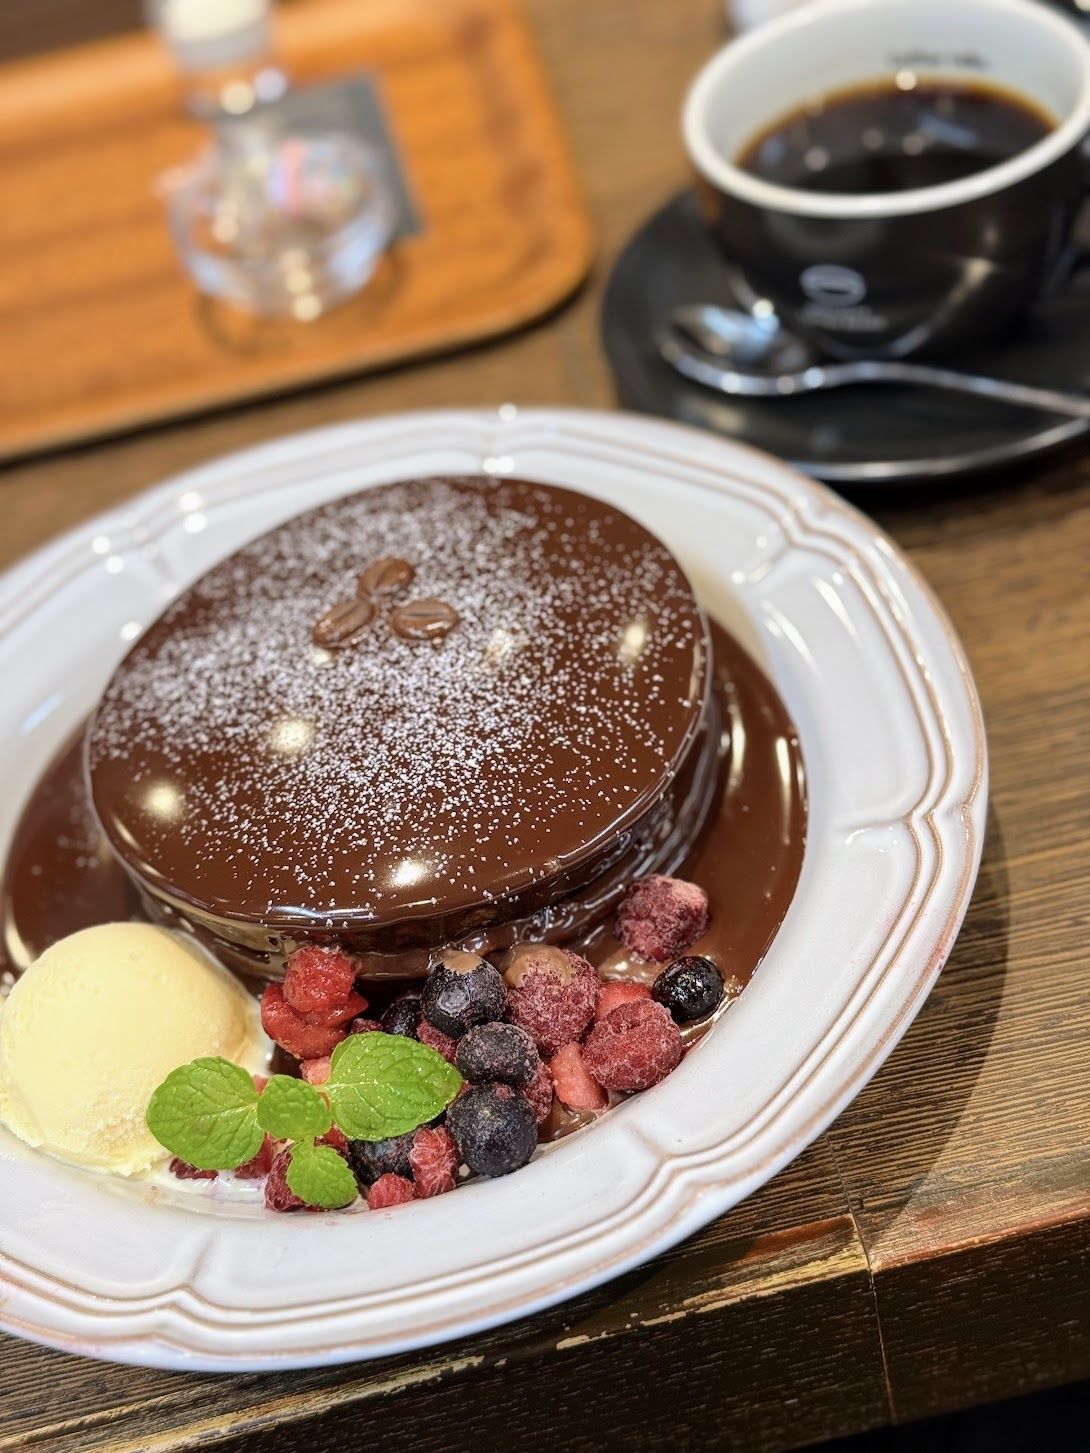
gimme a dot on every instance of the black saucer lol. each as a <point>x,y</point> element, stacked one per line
<point>876,434</point>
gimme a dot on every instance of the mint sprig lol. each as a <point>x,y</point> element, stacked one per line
<point>319,1176</point>
<point>382,1085</point>
<point>209,1114</point>
<point>205,1113</point>
<point>292,1110</point>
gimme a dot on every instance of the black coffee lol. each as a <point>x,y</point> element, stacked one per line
<point>895,135</point>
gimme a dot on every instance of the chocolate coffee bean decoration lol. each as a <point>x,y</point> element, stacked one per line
<point>386,576</point>
<point>343,623</point>
<point>424,620</point>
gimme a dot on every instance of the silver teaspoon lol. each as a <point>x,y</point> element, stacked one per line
<point>753,357</point>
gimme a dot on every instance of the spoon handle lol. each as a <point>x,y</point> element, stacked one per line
<point>1049,400</point>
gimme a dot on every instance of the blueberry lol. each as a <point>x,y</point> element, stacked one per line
<point>402,1016</point>
<point>463,990</point>
<point>691,988</point>
<point>373,1158</point>
<point>501,1052</point>
<point>494,1130</point>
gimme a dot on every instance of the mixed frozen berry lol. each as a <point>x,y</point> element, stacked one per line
<point>434,1161</point>
<point>503,1052</point>
<point>633,1047</point>
<point>293,1031</point>
<point>278,1194</point>
<point>319,979</point>
<point>402,1017</point>
<point>615,992</point>
<point>372,1159</point>
<point>662,917</point>
<point>552,994</point>
<point>495,1133</point>
<point>462,990</point>
<point>690,988</point>
<point>575,1086</point>
<point>390,1190</point>
<point>540,1040</point>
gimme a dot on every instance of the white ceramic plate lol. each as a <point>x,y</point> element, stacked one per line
<point>894,746</point>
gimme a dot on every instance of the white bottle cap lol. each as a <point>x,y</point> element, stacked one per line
<point>185,22</point>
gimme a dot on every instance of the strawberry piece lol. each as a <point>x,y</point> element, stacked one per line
<point>434,1161</point>
<point>315,1071</point>
<point>634,1046</point>
<point>660,917</point>
<point>617,991</point>
<point>260,1164</point>
<point>318,979</point>
<point>575,1086</point>
<point>389,1190</point>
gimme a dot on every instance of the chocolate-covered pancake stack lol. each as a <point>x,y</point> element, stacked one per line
<point>444,710</point>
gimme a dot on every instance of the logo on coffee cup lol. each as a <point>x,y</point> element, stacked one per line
<point>832,286</point>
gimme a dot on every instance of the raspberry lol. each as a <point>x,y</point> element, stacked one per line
<point>660,917</point>
<point>390,1190</point>
<point>402,1016</point>
<point>437,1040</point>
<point>318,978</point>
<point>434,1161</point>
<point>278,1194</point>
<point>493,1128</point>
<point>186,1172</point>
<point>497,1052</point>
<point>363,1026</point>
<point>553,999</point>
<point>463,989</point>
<point>373,1159</point>
<point>539,1094</point>
<point>575,1087</point>
<point>290,1029</point>
<point>634,1047</point>
<point>261,1164</point>
<point>339,1015</point>
<point>617,991</point>
<point>691,988</point>
<point>315,1071</point>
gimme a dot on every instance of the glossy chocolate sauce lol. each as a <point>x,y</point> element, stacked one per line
<point>60,875</point>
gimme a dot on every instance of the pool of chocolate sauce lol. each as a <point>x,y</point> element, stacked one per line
<point>59,875</point>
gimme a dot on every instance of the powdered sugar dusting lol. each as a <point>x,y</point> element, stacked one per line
<point>258,772</point>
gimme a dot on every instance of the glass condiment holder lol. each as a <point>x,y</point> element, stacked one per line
<point>282,223</point>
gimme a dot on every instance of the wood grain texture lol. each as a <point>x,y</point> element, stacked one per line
<point>109,331</point>
<point>930,1251</point>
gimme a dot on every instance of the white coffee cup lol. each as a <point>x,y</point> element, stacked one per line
<point>895,272</point>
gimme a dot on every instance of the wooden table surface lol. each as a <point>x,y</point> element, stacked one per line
<point>932,1249</point>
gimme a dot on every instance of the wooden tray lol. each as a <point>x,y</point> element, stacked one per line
<point>102,331</point>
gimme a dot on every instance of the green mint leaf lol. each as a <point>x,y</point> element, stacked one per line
<point>292,1110</point>
<point>381,1085</point>
<point>205,1113</point>
<point>319,1176</point>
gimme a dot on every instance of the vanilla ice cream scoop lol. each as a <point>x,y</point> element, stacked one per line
<point>97,1023</point>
